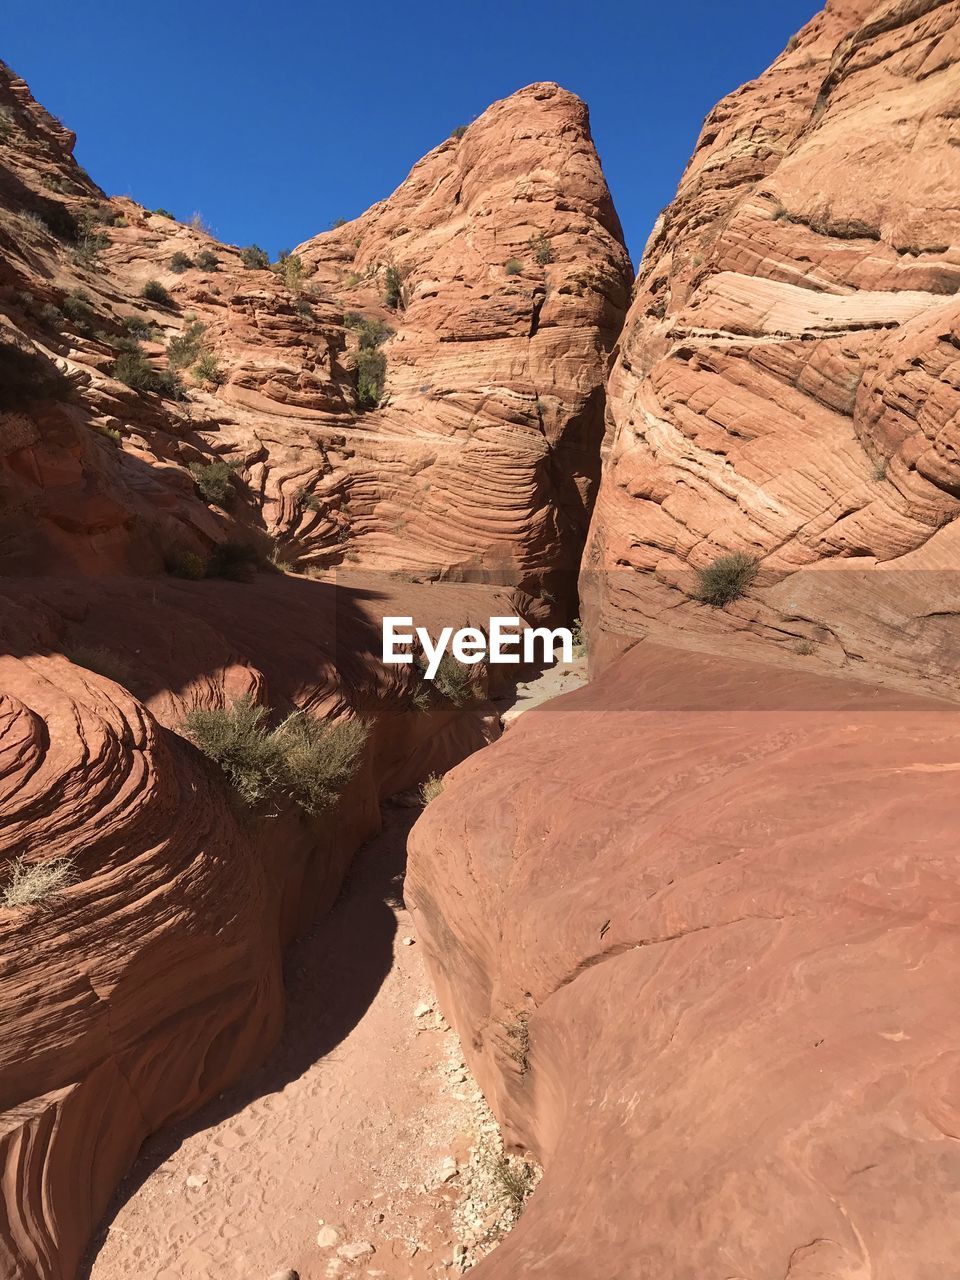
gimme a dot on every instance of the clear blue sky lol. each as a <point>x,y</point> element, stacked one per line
<point>273,119</point>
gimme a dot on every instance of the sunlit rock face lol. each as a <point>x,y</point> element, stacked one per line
<point>788,381</point>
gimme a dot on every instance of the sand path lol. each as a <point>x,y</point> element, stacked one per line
<point>355,1123</point>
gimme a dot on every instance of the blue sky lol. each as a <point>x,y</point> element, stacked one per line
<point>275,119</point>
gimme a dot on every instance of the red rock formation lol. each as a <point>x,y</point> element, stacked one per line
<point>788,383</point>
<point>153,982</point>
<point>696,926</point>
<point>486,446</point>
<point>482,458</point>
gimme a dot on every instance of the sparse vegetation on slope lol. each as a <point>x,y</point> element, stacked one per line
<point>308,759</point>
<point>726,579</point>
<point>30,884</point>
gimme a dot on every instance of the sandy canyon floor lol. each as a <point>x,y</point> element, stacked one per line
<point>362,1147</point>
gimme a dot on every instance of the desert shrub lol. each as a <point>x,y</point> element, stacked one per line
<point>6,124</point>
<point>184,349</point>
<point>237,739</point>
<point>134,370</point>
<point>102,661</point>
<point>293,269</point>
<point>50,317</point>
<point>513,266</point>
<point>78,309</point>
<point>393,280</point>
<point>207,260</point>
<point>169,385</point>
<point>164,213</point>
<point>459,131</point>
<point>431,788</point>
<point>31,883</point>
<point>307,759</point>
<point>579,637</point>
<point>89,247</point>
<point>154,292</point>
<point>254,257</point>
<point>185,564</point>
<point>541,249</point>
<point>513,1178</point>
<point>207,369</point>
<point>726,579</point>
<point>214,480</point>
<point>319,758</point>
<point>456,682</point>
<point>370,332</point>
<point>28,375</point>
<point>180,262</point>
<point>235,561</point>
<point>139,328</point>
<point>371,372</point>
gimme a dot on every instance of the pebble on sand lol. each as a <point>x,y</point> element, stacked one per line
<point>327,1236</point>
<point>352,1252</point>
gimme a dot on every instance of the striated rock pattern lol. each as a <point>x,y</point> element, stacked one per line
<point>135,350</point>
<point>696,925</point>
<point>153,982</point>
<point>503,264</point>
<point>513,281</point>
<point>788,381</point>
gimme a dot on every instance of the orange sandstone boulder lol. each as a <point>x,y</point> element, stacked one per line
<point>696,925</point>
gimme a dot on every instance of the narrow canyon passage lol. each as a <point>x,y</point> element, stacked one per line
<point>358,1131</point>
<point>346,1124</point>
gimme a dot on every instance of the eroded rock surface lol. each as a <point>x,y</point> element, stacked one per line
<point>153,981</point>
<point>788,382</point>
<point>696,927</point>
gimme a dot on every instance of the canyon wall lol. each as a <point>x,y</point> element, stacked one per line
<point>695,923</point>
<point>788,380</point>
<point>136,353</point>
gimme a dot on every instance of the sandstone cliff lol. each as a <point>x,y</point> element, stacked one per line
<point>788,383</point>
<point>169,403</point>
<point>694,922</point>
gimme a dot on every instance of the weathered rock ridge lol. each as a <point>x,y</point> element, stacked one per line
<point>788,380</point>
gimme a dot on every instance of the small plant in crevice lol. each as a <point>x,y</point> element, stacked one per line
<point>541,249</point>
<point>371,371</point>
<point>726,579</point>
<point>33,884</point>
<point>513,266</point>
<point>186,347</point>
<point>153,291</point>
<point>431,788</point>
<point>180,262</point>
<point>518,1037</point>
<point>394,291</point>
<point>235,561</point>
<point>134,370</point>
<point>215,480</point>
<point>188,565</point>
<point>515,1180</point>
<point>458,132</point>
<point>207,369</point>
<point>164,213</point>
